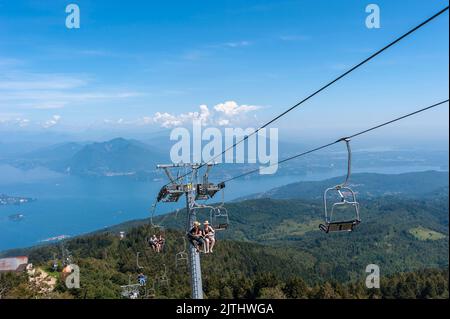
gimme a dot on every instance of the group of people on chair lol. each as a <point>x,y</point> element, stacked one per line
<point>202,237</point>
<point>157,243</point>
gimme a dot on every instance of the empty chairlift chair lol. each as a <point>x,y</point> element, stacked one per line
<point>347,200</point>
<point>181,258</point>
<point>219,215</point>
<point>219,218</point>
<point>207,190</point>
<point>171,192</point>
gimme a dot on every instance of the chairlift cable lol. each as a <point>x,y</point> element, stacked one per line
<point>341,139</point>
<point>355,67</point>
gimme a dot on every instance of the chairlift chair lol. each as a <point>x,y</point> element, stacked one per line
<point>170,193</point>
<point>219,215</point>
<point>142,279</point>
<point>219,218</point>
<point>130,291</point>
<point>163,280</point>
<point>347,199</point>
<point>55,265</point>
<point>150,292</point>
<point>207,190</point>
<point>137,261</point>
<point>182,257</point>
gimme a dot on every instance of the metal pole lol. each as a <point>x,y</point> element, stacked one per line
<point>194,257</point>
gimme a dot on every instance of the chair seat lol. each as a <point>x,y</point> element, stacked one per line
<point>339,226</point>
<point>221,227</point>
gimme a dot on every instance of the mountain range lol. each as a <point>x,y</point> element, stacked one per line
<point>116,157</point>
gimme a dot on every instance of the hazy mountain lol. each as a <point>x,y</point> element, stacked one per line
<point>115,157</point>
<point>48,156</point>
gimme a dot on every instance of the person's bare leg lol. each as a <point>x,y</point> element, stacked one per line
<point>206,241</point>
<point>211,246</point>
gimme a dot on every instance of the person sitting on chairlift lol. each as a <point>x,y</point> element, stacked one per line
<point>195,236</point>
<point>142,279</point>
<point>154,242</point>
<point>161,242</point>
<point>209,234</point>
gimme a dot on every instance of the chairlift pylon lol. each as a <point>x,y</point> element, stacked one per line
<point>343,191</point>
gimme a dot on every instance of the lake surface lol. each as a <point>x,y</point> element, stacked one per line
<point>69,205</point>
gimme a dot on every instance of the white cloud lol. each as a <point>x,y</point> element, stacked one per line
<point>51,122</point>
<point>22,122</point>
<point>17,121</point>
<point>231,108</point>
<point>223,114</point>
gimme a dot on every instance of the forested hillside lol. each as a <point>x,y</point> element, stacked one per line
<point>367,185</point>
<point>273,248</point>
<point>386,235</point>
<point>235,270</point>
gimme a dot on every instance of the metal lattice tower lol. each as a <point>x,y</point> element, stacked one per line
<point>194,257</point>
<point>193,190</point>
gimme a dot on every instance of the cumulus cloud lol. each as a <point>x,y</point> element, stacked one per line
<point>21,122</point>
<point>15,122</point>
<point>223,114</point>
<point>231,108</point>
<point>54,120</point>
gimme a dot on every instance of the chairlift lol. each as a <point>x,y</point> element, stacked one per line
<point>163,280</point>
<point>130,291</point>
<point>137,261</point>
<point>181,258</point>
<point>347,199</point>
<point>142,279</point>
<point>151,292</point>
<point>172,192</point>
<point>55,265</point>
<point>66,256</point>
<point>219,215</point>
<point>207,190</point>
<point>161,233</point>
<point>219,218</point>
<point>157,226</point>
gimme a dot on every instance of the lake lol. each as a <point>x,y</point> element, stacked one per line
<point>70,205</point>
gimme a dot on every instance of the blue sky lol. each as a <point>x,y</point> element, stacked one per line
<point>140,66</point>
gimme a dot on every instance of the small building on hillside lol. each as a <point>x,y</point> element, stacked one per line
<point>13,264</point>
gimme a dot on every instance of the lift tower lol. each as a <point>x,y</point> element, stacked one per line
<point>193,190</point>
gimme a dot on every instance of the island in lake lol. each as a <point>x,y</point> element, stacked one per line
<point>16,217</point>
<point>14,200</point>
